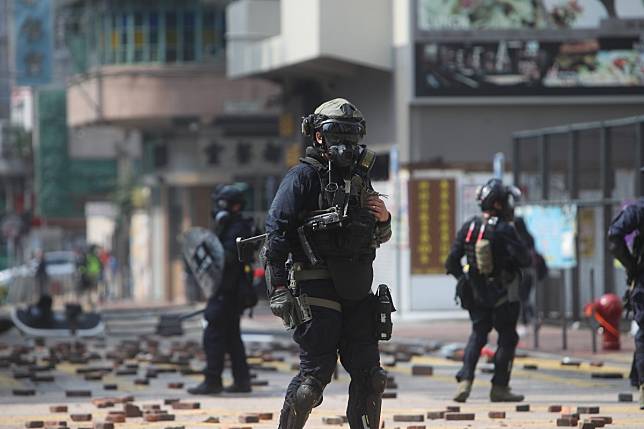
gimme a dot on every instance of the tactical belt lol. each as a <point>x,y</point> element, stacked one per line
<point>326,303</point>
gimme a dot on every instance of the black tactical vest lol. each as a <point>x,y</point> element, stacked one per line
<point>348,250</point>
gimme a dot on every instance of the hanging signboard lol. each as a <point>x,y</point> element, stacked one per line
<point>33,35</point>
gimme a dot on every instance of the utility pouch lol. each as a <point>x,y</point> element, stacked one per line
<point>301,311</point>
<point>484,260</point>
<point>384,308</point>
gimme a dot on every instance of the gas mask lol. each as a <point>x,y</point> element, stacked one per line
<point>341,141</point>
<point>220,216</point>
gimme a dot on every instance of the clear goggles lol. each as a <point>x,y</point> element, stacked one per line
<point>338,132</point>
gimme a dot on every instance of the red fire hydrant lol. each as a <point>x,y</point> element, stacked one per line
<point>607,310</point>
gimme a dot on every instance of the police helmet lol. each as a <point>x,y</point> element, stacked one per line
<point>338,120</point>
<point>493,191</point>
<point>227,196</point>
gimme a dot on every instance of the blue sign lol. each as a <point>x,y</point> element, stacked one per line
<point>33,35</point>
<point>554,230</point>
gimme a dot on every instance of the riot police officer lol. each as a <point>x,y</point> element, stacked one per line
<point>488,286</point>
<point>325,223</point>
<point>629,220</point>
<point>222,335</point>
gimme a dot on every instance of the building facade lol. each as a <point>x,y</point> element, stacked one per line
<point>150,93</point>
<point>443,85</point>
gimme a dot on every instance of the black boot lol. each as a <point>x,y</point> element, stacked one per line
<point>207,388</point>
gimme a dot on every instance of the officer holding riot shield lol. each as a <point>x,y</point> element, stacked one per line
<point>323,227</point>
<point>488,286</point>
<point>223,312</point>
<point>631,220</point>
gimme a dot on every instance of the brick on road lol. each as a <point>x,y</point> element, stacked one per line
<point>110,387</point>
<point>607,419</point>
<point>409,418</point>
<point>416,427</point>
<point>496,414</point>
<point>530,366</point>
<point>58,409</point>
<point>212,420</point>
<point>459,416</point>
<point>607,375</point>
<point>588,410</point>
<point>186,405</point>
<point>35,424</point>
<point>600,423</point>
<point>332,421</point>
<point>625,397</point>
<point>523,408</point>
<point>435,415</point>
<point>78,393</point>
<point>554,408</point>
<point>175,385</point>
<point>453,409</point>
<point>567,421</point>
<point>132,410</point>
<point>81,417</point>
<point>103,425</point>
<point>248,418</point>
<point>586,424</point>
<point>265,416</point>
<point>115,418</point>
<point>425,370</point>
<point>23,392</point>
<point>389,395</point>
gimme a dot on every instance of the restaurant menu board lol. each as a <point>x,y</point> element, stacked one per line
<point>432,209</point>
<point>523,47</point>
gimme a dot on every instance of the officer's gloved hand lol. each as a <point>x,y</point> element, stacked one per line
<point>282,303</point>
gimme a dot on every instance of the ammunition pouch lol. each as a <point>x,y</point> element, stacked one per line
<point>384,306</point>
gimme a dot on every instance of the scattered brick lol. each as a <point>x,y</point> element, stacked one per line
<point>453,409</point>
<point>265,416</point>
<point>115,418</point>
<point>125,399</point>
<point>35,424</point>
<point>175,385</point>
<point>104,425</point>
<point>78,393</point>
<point>166,417</point>
<point>625,397</point>
<point>567,421</point>
<point>131,410</point>
<point>42,378</point>
<point>554,408</point>
<point>58,409</point>
<point>152,417</point>
<point>570,416</point>
<point>93,377</point>
<point>23,392</point>
<point>55,424</point>
<point>142,381</point>
<point>522,408</point>
<point>588,410</point>
<point>422,370</point>
<point>389,395</point>
<point>248,418</point>
<point>103,402</point>
<point>530,366</point>
<point>110,387</point>
<point>416,427</point>
<point>148,407</point>
<point>81,417</point>
<point>170,401</point>
<point>124,372</point>
<point>587,424</point>
<point>599,423</point>
<point>409,418</point>
<point>259,382</point>
<point>240,427</point>
<point>597,363</point>
<point>607,375</point>
<point>459,416</point>
<point>607,419</point>
<point>435,415</point>
<point>186,405</point>
<point>496,414</point>
<point>212,420</point>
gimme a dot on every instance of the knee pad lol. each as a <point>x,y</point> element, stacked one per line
<point>308,395</point>
<point>378,380</point>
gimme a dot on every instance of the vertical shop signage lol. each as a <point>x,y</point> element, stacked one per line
<point>34,42</point>
<point>431,223</point>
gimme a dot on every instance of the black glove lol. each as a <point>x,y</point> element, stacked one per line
<point>282,303</point>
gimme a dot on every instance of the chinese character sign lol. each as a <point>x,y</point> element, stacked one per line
<point>431,223</point>
<point>34,42</point>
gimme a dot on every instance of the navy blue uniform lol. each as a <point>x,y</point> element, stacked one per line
<point>223,313</point>
<point>630,220</point>
<point>509,255</point>
<point>349,332</point>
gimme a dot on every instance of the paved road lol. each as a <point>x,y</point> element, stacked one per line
<point>550,384</point>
